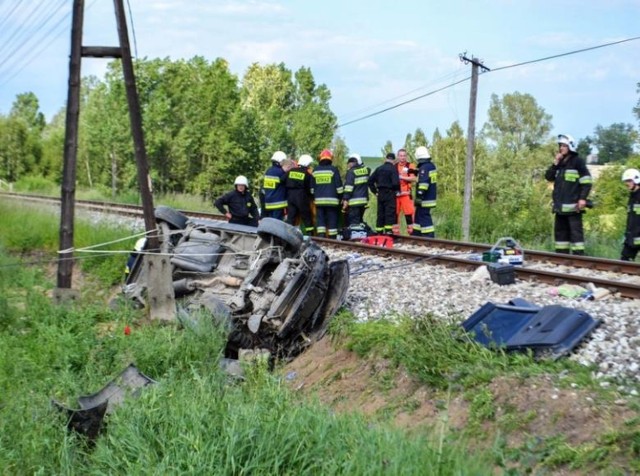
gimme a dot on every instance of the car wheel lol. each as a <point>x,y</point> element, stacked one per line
<point>173,217</point>
<point>290,235</point>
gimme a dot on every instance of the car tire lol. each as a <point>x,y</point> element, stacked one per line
<point>290,235</point>
<point>174,218</point>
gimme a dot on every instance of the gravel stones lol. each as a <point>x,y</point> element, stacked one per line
<point>384,288</point>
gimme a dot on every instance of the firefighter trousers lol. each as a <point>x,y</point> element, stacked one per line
<point>327,220</point>
<point>569,234</point>
<point>355,215</point>
<point>424,223</point>
<point>386,210</point>
<point>299,207</point>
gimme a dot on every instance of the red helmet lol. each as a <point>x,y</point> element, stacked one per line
<point>326,154</point>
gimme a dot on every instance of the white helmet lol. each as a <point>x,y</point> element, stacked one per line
<point>422,153</point>
<point>631,174</point>
<point>357,157</point>
<point>305,160</point>
<point>568,140</point>
<point>278,156</point>
<point>241,180</point>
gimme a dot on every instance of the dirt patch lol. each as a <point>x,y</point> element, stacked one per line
<point>534,407</point>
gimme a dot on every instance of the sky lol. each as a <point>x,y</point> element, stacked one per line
<point>371,54</point>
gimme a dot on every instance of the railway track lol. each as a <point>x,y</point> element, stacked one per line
<point>421,250</point>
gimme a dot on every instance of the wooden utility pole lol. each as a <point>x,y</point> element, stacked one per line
<point>136,127</point>
<point>471,138</point>
<point>65,263</point>
<point>67,205</point>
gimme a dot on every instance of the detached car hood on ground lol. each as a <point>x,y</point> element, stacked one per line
<point>271,287</point>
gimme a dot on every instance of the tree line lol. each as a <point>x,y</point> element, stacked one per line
<point>204,125</point>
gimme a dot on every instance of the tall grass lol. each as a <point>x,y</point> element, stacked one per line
<point>193,421</point>
<point>33,231</point>
<point>439,354</point>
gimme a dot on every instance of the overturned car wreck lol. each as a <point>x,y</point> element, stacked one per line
<point>269,286</point>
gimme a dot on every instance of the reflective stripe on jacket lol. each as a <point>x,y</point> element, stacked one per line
<point>427,184</point>
<point>571,183</point>
<point>327,185</point>
<point>356,188</point>
<point>273,187</point>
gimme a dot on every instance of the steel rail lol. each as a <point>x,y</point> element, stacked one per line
<point>587,262</point>
<point>628,290</point>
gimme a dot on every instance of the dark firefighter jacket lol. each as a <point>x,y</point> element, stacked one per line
<point>240,205</point>
<point>632,235</point>
<point>571,182</point>
<point>384,177</point>
<point>298,178</point>
<point>327,185</point>
<point>356,188</point>
<point>427,184</point>
<point>273,188</point>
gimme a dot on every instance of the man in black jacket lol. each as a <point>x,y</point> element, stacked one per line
<point>631,178</point>
<point>384,182</point>
<point>242,208</point>
<point>298,182</point>
<point>571,186</point>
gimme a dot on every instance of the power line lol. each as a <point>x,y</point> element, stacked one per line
<point>430,93</point>
<point>566,54</point>
<point>492,71</point>
<point>133,30</point>
<point>44,43</point>
<point>373,106</point>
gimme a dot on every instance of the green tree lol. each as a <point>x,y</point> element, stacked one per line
<point>615,143</point>
<point>27,108</point>
<point>15,159</point>
<point>516,123</point>
<point>413,141</point>
<point>449,155</point>
<point>21,148</point>
<point>312,122</point>
<point>53,147</point>
<point>386,148</point>
<point>584,147</point>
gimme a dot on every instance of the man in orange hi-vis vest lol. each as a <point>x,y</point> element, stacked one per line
<point>404,202</point>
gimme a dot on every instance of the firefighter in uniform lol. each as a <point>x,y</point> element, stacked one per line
<point>273,194</point>
<point>384,183</point>
<point>425,194</point>
<point>356,190</point>
<point>404,203</point>
<point>631,178</point>
<point>241,207</point>
<point>327,194</point>
<point>571,186</point>
<point>298,183</point>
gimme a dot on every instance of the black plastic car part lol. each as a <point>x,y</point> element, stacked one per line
<point>88,420</point>
<point>550,331</point>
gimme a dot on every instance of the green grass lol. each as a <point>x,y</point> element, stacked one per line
<point>439,354</point>
<point>194,421</point>
<point>197,421</point>
<point>444,359</point>
<point>33,233</point>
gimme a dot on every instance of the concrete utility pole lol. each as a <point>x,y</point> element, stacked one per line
<point>65,263</point>
<point>471,139</point>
